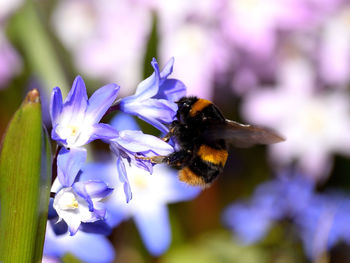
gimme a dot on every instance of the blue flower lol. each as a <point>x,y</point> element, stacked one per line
<point>76,121</point>
<point>284,197</point>
<point>324,223</point>
<point>76,201</point>
<point>130,144</point>
<point>89,248</point>
<point>155,97</point>
<point>322,220</point>
<point>148,208</point>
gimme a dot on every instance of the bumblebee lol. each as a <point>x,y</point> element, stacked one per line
<point>203,136</point>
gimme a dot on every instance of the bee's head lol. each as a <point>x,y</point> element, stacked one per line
<point>184,107</point>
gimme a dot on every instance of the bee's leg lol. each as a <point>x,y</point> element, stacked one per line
<point>167,136</point>
<point>153,159</point>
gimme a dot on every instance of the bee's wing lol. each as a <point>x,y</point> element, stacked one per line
<point>243,135</point>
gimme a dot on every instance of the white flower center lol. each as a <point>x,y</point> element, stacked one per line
<point>313,119</point>
<point>71,207</point>
<point>73,130</point>
<point>140,181</point>
<point>66,200</point>
<point>70,133</point>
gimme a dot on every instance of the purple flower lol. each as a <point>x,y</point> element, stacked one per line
<point>89,248</point>
<point>76,121</point>
<point>155,97</point>
<point>151,192</point>
<point>148,208</point>
<point>130,143</point>
<point>77,202</point>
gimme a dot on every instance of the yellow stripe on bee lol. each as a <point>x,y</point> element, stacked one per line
<point>198,106</point>
<point>212,155</point>
<point>188,176</point>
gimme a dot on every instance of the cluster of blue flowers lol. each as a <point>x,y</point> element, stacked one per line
<point>321,220</point>
<point>87,196</point>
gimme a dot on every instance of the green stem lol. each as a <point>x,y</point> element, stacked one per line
<point>29,31</point>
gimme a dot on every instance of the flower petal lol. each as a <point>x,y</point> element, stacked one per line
<point>69,162</point>
<point>108,173</point>
<point>105,172</point>
<point>98,246</point>
<point>124,178</point>
<point>97,227</point>
<point>153,111</point>
<point>55,105</point>
<point>55,136</point>
<point>138,142</point>
<point>76,102</point>
<point>103,132</point>
<point>52,214</point>
<point>167,70</point>
<point>60,227</point>
<point>122,173</point>
<point>124,121</point>
<point>100,101</point>
<point>148,87</point>
<point>73,225</point>
<point>97,189</point>
<point>172,89</point>
<point>177,191</point>
<point>153,225</point>
<point>249,223</point>
<point>79,188</point>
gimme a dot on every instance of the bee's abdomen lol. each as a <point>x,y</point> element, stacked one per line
<point>212,156</point>
<point>205,166</point>
<point>190,177</point>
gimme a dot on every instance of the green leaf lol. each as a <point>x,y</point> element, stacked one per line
<point>25,175</point>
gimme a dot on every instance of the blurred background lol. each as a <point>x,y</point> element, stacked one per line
<point>283,64</point>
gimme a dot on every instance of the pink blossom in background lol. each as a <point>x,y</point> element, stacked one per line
<point>255,25</point>
<point>252,24</point>
<point>107,38</point>
<point>316,124</point>
<point>335,50</point>
<point>10,62</point>
<point>195,49</point>
<point>258,35</point>
<point>241,40</point>
<point>7,7</point>
<point>248,72</point>
<point>261,32</point>
<point>188,32</point>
